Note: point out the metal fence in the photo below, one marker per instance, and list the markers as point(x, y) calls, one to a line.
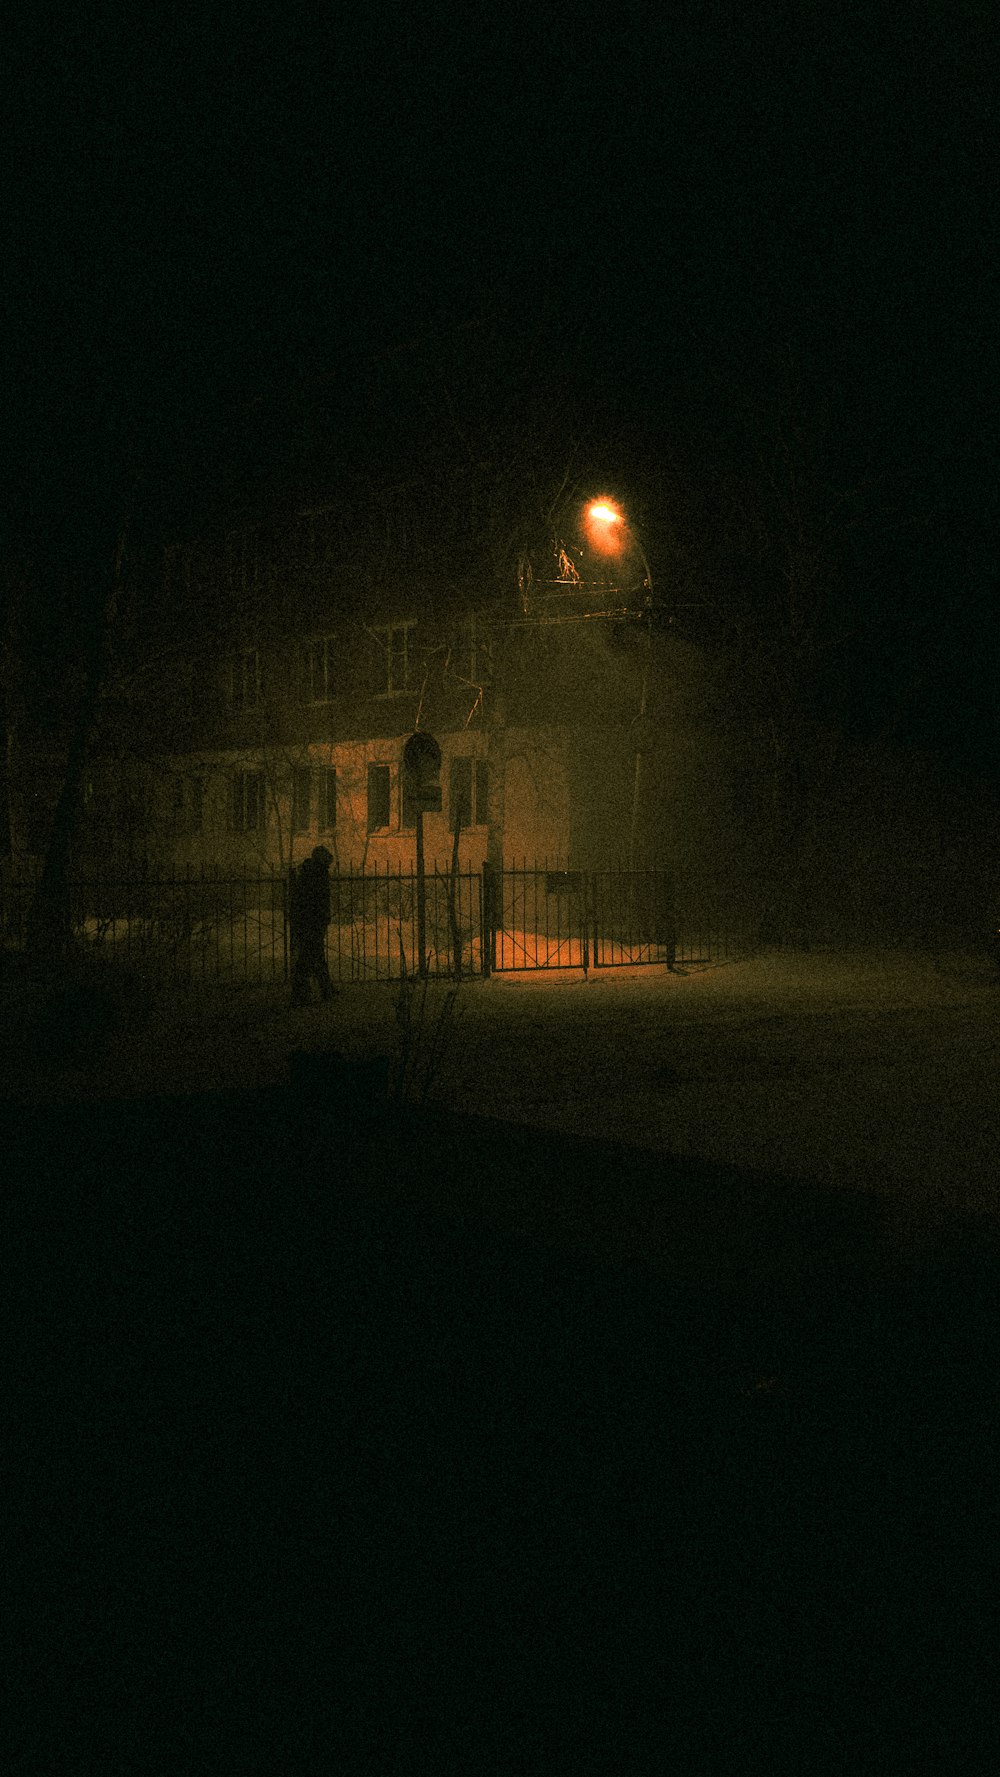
point(205, 926)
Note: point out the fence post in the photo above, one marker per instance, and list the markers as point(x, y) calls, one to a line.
point(670, 917)
point(487, 935)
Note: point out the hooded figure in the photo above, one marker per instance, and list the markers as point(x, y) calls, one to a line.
point(309, 916)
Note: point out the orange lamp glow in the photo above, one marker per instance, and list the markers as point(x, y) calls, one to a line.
point(604, 527)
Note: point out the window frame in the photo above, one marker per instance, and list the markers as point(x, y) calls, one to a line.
point(478, 791)
point(320, 536)
point(186, 793)
point(239, 801)
point(326, 811)
point(469, 650)
point(301, 799)
point(385, 632)
point(198, 786)
point(243, 562)
point(244, 687)
point(324, 645)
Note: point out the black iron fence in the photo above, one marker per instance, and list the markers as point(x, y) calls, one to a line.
point(207, 926)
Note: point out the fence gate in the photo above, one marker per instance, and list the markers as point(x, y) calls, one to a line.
point(634, 917)
point(540, 918)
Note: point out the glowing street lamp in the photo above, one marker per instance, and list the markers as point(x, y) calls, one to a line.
point(605, 527)
point(608, 534)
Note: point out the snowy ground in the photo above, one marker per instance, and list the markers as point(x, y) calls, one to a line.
point(729, 1515)
point(866, 1070)
point(861, 1070)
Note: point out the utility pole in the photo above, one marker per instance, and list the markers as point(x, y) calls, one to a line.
point(643, 740)
point(422, 764)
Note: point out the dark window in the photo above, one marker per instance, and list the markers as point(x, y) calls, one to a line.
point(246, 806)
point(242, 563)
point(197, 804)
point(398, 660)
point(328, 800)
point(378, 797)
point(301, 798)
point(244, 680)
point(321, 536)
point(177, 573)
point(181, 690)
point(176, 801)
point(397, 657)
point(319, 662)
point(468, 793)
point(468, 651)
point(186, 801)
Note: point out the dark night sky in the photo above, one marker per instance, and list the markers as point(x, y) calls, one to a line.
point(670, 202)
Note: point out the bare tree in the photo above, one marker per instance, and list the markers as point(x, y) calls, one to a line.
point(764, 545)
point(14, 702)
point(49, 921)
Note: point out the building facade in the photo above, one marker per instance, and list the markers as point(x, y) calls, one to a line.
point(273, 682)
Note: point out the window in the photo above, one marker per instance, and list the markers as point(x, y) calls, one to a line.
point(186, 804)
point(468, 653)
point(397, 643)
point(177, 573)
point(471, 658)
point(244, 681)
point(246, 806)
point(301, 798)
point(176, 805)
point(321, 536)
point(242, 570)
point(328, 800)
point(180, 690)
point(468, 793)
point(318, 669)
point(130, 815)
point(378, 798)
point(196, 805)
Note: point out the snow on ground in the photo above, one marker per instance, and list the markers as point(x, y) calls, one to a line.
point(866, 1070)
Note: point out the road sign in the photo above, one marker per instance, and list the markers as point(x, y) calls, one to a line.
point(422, 758)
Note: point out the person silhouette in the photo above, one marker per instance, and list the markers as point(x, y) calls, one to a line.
point(309, 916)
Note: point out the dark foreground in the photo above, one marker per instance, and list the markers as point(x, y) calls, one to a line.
point(346, 1445)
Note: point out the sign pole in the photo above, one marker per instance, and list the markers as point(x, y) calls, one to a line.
point(422, 766)
point(421, 898)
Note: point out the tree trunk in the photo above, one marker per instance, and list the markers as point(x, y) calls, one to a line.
point(456, 930)
point(49, 920)
point(13, 697)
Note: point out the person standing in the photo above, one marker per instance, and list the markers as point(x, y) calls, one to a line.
point(309, 916)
